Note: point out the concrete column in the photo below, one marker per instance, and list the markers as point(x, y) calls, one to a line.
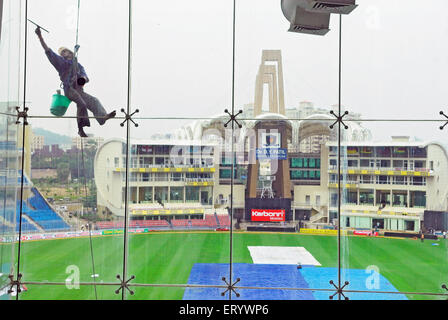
point(408, 199)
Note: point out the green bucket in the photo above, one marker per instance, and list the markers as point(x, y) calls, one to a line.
point(59, 105)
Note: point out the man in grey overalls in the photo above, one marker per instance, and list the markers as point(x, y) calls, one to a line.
point(73, 84)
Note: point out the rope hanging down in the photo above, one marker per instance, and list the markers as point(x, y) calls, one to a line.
point(73, 77)
point(74, 69)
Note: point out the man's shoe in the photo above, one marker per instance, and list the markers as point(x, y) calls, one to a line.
point(109, 116)
point(81, 133)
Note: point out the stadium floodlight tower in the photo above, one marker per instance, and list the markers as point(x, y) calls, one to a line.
point(313, 17)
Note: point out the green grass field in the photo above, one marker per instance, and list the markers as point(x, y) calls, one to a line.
point(167, 258)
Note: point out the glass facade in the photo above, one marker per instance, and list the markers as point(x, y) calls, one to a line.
point(337, 148)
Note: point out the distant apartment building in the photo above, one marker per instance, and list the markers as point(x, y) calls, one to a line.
point(87, 142)
point(37, 142)
point(49, 151)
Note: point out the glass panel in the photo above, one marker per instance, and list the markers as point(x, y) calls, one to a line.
point(188, 74)
point(176, 293)
point(71, 214)
point(9, 186)
point(71, 290)
point(180, 236)
point(70, 234)
point(383, 250)
point(399, 175)
point(285, 198)
point(11, 74)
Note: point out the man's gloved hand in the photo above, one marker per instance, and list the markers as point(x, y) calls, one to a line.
point(81, 81)
point(38, 32)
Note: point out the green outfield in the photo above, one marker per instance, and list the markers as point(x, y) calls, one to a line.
point(168, 257)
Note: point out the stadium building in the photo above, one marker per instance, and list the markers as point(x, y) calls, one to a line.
point(187, 179)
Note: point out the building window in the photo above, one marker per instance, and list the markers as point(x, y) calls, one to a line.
point(366, 197)
point(409, 225)
point(352, 197)
point(333, 199)
point(418, 181)
point(352, 163)
point(192, 194)
point(307, 199)
point(382, 179)
point(384, 163)
point(400, 199)
point(333, 163)
point(400, 180)
point(176, 194)
point(382, 198)
point(366, 179)
point(364, 163)
point(175, 176)
point(417, 199)
point(400, 152)
point(378, 223)
point(145, 194)
point(161, 194)
point(383, 152)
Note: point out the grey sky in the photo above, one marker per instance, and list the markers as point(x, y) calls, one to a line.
point(394, 60)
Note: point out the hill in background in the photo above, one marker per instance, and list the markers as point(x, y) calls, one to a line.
point(52, 138)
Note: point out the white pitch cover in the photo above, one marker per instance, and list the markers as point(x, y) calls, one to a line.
point(282, 255)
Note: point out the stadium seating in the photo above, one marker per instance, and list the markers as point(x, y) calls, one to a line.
point(8, 218)
point(27, 227)
point(110, 224)
point(132, 224)
point(224, 220)
point(200, 223)
point(149, 223)
point(216, 217)
point(211, 220)
point(40, 212)
point(180, 223)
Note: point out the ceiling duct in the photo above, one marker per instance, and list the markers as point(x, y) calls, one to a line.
point(309, 23)
point(313, 16)
point(330, 6)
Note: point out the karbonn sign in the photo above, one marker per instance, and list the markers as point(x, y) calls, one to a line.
point(268, 215)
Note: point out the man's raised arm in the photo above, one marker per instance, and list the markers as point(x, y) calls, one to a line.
point(42, 42)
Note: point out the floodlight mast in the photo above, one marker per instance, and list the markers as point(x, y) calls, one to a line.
point(313, 16)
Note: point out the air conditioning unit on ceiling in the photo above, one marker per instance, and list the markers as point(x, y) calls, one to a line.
point(330, 6)
point(310, 23)
point(313, 16)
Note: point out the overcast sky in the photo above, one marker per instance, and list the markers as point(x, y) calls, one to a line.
point(394, 60)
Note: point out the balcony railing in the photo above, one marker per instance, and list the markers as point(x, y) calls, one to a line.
point(170, 165)
point(376, 168)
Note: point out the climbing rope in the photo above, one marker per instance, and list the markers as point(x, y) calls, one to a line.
point(89, 227)
point(73, 76)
